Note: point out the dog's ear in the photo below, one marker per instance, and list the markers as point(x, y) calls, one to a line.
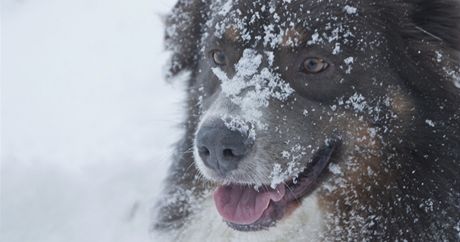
point(182, 37)
point(439, 18)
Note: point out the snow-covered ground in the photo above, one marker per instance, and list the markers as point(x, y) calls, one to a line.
point(87, 120)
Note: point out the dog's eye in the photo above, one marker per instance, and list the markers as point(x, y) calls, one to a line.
point(314, 65)
point(219, 57)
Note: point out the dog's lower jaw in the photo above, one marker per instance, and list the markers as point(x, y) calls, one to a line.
point(306, 222)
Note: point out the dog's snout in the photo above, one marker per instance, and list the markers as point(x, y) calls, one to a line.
point(221, 148)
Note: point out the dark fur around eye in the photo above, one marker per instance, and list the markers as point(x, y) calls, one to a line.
point(219, 57)
point(314, 65)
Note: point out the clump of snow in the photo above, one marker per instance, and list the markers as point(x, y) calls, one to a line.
point(427, 205)
point(305, 112)
point(457, 82)
point(335, 34)
point(372, 132)
point(294, 157)
point(250, 88)
point(439, 56)
point(241, 125)
point(271, 57)
point(453, 75)
point(336, 49)
point(277, 176)
point(271, 38)
point(370, 171)
point(430, 123)
point(226, 8)
point(315, 38)
point(457, 228)
point(335, 169)
point(350, 10)
point(357, 102)
point(349, 62)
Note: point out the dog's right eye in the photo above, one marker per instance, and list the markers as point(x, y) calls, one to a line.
point(314, 65)
point(219, 57)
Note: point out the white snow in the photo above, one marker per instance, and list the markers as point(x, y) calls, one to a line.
point(335, 169)
point(350, 10)
point(315, 39)
point(251, 89)
point(430, 123)
point(226, 8)
point(439, 56)
point(270, 57)
point(454, 75)
point(349, 62)
point(294, 156)
point(337, 49)
point(457, 228)
point(86, 119)
point(238, 124)
point(277, 176)
point(357, 102)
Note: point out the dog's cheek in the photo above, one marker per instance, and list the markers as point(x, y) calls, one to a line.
point(358, 178)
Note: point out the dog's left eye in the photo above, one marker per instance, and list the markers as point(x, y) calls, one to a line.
point(314, 65)
point(219, 57)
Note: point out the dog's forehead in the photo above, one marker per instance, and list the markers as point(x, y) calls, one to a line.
point(273, 22)
point(281, 12)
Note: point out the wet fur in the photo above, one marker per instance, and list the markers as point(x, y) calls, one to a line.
point(414, 190)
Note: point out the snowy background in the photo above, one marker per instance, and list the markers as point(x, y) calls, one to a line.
point(87, 120)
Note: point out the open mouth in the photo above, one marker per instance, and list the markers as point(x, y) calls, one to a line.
point(247, 209)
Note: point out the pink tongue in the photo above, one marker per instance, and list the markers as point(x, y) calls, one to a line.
point(242, 204)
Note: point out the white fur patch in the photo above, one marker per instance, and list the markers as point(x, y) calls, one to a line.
point(304, 224)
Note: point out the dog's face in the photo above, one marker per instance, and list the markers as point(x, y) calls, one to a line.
point(281, 91)
point(285, 89)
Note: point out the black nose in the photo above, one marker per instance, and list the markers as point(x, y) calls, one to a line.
point(220, 148)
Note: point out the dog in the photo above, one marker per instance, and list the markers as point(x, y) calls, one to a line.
point(320, 120)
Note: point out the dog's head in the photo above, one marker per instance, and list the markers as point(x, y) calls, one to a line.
point(286, 89)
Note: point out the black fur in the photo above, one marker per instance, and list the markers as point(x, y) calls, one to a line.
point(421, 202)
